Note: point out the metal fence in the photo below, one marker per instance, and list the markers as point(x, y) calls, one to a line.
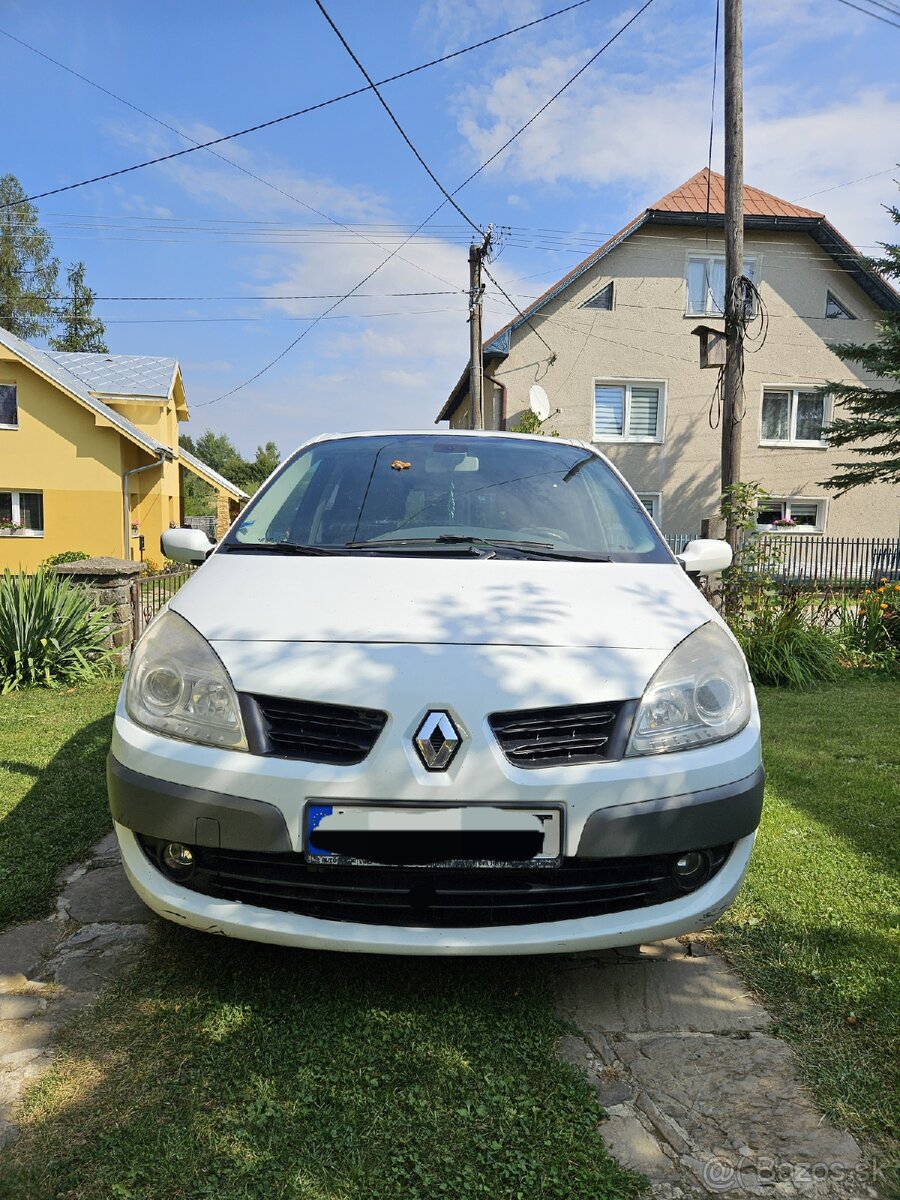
point(820, 563)
point(150, 593)
point(207, 524)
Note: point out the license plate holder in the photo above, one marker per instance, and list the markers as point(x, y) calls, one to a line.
point(373, 834)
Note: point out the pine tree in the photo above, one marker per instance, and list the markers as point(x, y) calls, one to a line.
point(871, 415)
point(81, 330)
point(28, 269)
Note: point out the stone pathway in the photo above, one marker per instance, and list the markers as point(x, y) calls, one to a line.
point(700, 1096)
point(51, 969)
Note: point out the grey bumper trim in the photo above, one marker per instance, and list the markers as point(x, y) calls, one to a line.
point(693, 821)
point(180, 813)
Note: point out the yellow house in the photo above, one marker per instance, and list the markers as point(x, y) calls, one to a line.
point(89, 454)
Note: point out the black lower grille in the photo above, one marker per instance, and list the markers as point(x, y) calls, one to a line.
point(441, 897)
point(546, 737)
point(327, 733)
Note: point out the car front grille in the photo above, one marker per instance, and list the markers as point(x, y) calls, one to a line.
point(436, 897)
point(325, 733)
point(547, 737)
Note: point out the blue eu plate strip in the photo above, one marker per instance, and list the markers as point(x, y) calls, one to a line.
point(314, 814)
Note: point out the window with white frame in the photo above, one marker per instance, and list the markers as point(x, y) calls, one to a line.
point(792, 514)
point(628, 412)
point(22, 513)
point(793, 416)
point(651, 501)
point(9, 408)
point(706, 283)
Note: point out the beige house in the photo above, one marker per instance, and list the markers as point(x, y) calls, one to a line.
point(625, 369)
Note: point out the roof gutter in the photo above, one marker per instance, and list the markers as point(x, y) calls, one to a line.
point(164, 456)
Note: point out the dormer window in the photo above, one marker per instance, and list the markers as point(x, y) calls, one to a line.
point(835, 309)
point(603, 299)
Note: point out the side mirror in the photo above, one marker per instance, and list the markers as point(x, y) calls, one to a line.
point(705, 556)
point(186, 545)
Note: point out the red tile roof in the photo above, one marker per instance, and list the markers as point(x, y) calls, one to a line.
point(691, 198)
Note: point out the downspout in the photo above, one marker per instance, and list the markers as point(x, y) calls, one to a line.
point(164, 456)
point(502, 387)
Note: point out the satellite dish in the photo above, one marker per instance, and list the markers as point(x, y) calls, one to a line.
point(539, 402)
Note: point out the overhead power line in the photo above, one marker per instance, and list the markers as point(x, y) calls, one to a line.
point(228, 137)
point(868, 12)
point(430, 217)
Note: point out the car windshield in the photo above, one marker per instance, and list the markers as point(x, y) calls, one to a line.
point(445, 493)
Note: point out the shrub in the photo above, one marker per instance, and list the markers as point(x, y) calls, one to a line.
point(65, 556)
point(149, 567)
point(51, 633)
point(782, 642)
point(870, 626)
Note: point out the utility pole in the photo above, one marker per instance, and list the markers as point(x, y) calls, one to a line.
point(732, 407)
point(477, 253)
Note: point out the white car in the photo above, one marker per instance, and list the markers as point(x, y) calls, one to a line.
point(439, 693)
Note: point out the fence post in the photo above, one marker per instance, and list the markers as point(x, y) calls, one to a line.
point(110, 579)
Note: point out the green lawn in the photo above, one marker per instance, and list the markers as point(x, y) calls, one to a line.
point(52, 789)
point(238, 1071)
point(815, 928)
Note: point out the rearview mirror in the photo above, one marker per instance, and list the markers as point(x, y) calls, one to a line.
point(186, 545)
point(705, 556)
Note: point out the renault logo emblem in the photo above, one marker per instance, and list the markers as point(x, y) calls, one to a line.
point(437, 741)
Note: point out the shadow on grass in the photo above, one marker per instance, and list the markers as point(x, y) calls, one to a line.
point(63, 813)
point(237, 1070)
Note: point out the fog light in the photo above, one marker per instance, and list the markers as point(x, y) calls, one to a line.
point(178, 858)
point(692, 869)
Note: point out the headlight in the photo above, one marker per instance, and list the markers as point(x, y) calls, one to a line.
point(178, 686)
point(700, 694)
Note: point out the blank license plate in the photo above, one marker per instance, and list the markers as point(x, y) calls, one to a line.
point(468, 835)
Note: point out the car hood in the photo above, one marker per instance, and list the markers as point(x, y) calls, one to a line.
point(441, 601)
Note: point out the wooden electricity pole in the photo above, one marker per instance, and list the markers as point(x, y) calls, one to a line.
point(732, 406)
point(477, 252)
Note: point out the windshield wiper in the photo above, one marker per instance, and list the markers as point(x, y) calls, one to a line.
point(279, 548)
point(526, 549)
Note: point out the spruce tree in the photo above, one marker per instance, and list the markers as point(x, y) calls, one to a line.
point(81, 330)
point(871, 415)
point(28, 269)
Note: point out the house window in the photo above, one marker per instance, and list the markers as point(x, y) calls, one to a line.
point(9, 409)
point(834, 308)
point(706, 283)
point(792, 416)
point(791, 514)
point(650, 501)
point(603, 299)
point(22, 513)
point(628, 412)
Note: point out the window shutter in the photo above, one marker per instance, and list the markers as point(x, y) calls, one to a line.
point(643, 418)
point(609, 405)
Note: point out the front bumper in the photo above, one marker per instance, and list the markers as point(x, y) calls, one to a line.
point(710, 817)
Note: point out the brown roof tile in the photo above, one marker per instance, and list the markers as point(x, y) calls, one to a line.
point(691, 198)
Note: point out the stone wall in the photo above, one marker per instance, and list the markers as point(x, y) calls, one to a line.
point(111, 580)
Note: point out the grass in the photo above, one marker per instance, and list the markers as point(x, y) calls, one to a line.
point(239, 1071)
point(815, 927)
point(52, 789)
point(242, 1071)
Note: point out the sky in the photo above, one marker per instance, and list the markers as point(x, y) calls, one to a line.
point(310, 206)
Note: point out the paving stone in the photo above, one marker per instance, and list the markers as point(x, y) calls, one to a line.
point(22, 950)
point(16, 1036)
point(733, 1095)
point(99, 936)
point(106, 846)
point(656, 996)
point(20, 1008)
point(629, 1143)
point(87, 971)
point(104, 895)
